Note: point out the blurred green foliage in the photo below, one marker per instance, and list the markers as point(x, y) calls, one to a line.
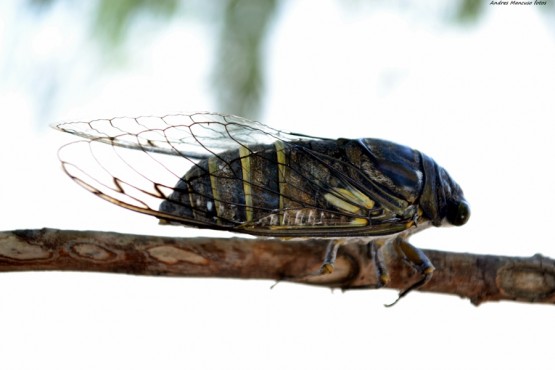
point(238, 72)
point(470, 10)
point(113, 18)
point(237, 76)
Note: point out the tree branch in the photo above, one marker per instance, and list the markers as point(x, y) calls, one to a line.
point(480, 278)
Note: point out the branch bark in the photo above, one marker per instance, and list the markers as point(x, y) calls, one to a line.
point(479, 278)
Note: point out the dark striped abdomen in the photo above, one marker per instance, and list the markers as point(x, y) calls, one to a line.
point(229, 189)
point(309, 182)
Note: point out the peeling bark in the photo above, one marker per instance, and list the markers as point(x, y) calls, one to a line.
point(480, 278)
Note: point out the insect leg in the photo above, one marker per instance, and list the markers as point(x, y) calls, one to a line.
point(329, 259)
point(381, 270)
point(419, 261)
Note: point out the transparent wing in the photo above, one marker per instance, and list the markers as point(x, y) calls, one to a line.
point(196, 135)
point(166, 148)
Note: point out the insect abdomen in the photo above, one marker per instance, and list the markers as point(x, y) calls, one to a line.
point(230, 188)
point(311, 183)
point(265, 185)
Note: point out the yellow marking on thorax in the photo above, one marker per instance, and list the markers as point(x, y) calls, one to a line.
point(358, 222)
point(244, 154)
point(213, 168)
point(280, 154)
point(344, 199)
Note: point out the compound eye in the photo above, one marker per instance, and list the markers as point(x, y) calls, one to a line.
point(458, 213)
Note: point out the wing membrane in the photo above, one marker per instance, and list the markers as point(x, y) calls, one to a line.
point(166, 148)
point(197, 135)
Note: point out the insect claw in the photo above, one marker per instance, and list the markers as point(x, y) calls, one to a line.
point(415, 219)
point(427, 275)
point(388, 305)
point(419, 261)
point(327, 268)
point(329, 259)
point(383, 279)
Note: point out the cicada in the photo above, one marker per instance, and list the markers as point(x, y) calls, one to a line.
point(224, 172)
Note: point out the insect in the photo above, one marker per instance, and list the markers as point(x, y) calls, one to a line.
point(218, 171)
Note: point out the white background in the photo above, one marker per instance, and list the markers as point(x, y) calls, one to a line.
point(479, 99)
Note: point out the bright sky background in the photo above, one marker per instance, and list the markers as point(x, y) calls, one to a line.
point(479, 99)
